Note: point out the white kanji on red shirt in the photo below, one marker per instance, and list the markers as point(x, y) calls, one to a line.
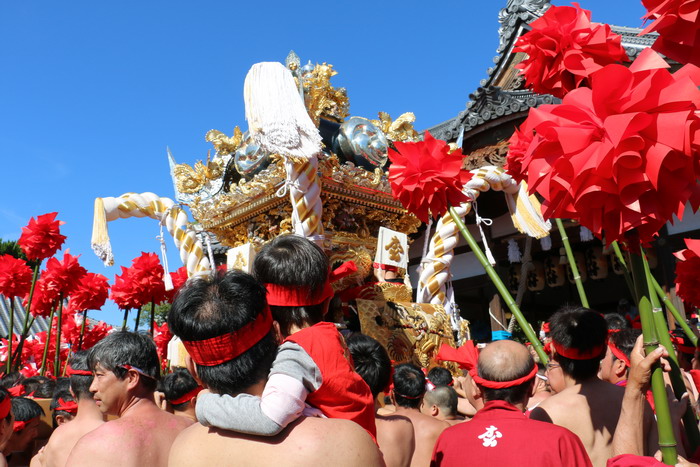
point(490, 436)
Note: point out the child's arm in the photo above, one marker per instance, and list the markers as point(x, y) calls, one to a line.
point(292, 377)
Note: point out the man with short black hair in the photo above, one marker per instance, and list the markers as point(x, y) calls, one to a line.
point(63, 407)
point(126, 370)
point(181, 392)
point(409, 387)
point(225, 325)
point(27, 413)
point(87, 417)
point(394, 432)
point(616, 363)
point(439, 376)
point(583, 403)
point(501, 377)
point(441, 403)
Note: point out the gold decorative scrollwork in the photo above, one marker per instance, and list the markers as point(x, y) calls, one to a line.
point(223, 144)
point(322, 98)
point(400, 129)
point(191, 179)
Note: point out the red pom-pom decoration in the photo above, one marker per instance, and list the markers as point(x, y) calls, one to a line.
point(15, 277)
point(426, 177)
point(619, 156)
point(564, 48)
point(42, 238)
point(688, 273)
point(678, 25)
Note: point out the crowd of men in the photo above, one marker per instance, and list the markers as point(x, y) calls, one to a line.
point(268, 382)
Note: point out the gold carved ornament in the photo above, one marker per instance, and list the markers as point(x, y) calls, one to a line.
point(400, 129)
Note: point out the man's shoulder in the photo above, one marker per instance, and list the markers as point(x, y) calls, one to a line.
point(395, 426)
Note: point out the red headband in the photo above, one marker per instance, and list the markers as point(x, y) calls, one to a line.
point(385, 267)
point(545, 328)
point(5, 407)
point(284, 295)
point(187, 397)
point(575, 354)
point(137, 370)
point(217, 350)
point(619, 354)
point(680, 345)
point(67, 406)
point(19, 426)
point(467, 357)
point(70, 371)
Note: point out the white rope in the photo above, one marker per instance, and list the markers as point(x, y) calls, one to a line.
point(167, 280)
point(288, 182)
point(496, 320)
point(484, 220)
point(426, 244)
point(210, 253)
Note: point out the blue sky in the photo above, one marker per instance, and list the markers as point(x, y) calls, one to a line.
point(91, 93)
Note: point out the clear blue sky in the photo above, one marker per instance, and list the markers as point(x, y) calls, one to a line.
point(91, 93)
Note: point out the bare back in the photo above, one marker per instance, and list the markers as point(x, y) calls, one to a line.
point(63, 439)
point(136, 439)
point(427, 430)
point(590, 410)
point(396, 439)
point(307, 441)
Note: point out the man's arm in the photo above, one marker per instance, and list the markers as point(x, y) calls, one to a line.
point(292, 377)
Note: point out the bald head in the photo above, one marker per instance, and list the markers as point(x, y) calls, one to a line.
point(506, 361)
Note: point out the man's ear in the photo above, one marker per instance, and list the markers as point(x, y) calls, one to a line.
point(476, 391)
point(619, 368)
point(132, 378)
point(60, 420)
point(533, 386)
point(192, 368)
point(278, 332)
point(434, 410)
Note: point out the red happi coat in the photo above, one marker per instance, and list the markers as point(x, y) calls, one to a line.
point(501, 435)
point(343, 393)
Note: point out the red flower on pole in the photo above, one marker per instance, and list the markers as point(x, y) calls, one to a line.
point(688, 273)
point(15, 277)
point(91, 293)
point(564, 48)
point(124, 292)
point(426, 177)
point(147, 275)
point(63, 276)
point(44, 299)
point(42, 238)
point(179, 279)
point(678, 25)
point(619, 156)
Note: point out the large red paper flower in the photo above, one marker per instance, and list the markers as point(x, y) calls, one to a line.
point(426, 177)
point(147, 276)
point(43, 300)
point(622, 155)
point(42, 237)
point(678, 25)
point(123, 292)
point(564, 48)
point(688, 273)
point(15, 277)
point(63, 276)
point(91, 293)
point(179, 279)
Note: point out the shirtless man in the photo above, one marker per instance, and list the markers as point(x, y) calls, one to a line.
point(225, 325)
point(441, 403)
point(88, 417)
point(180, 391)
point(126, 370)
point(583, 403)
point(541, 389)
point(409, 387)
point(394, 432)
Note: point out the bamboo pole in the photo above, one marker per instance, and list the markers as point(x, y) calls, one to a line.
point(82, 330)
point(626, 271)
point(126, 315)
point(674, 311)
point(136, 321)
point(153, 315)
point(690, 422)
point(667, 439)
point(572, 263)
point(57, 358)
point(502, 289)
point(46, 344)
point(8, 363)
point(27, 324)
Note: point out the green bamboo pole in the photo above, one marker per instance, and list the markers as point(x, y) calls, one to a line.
point(572, 263)
point(153, 315)
point(57, 358)
point(46, 344)
point(8, 363)
point(674, 311)
point(82, 330)
point(136, 322)
point(126, 315)
point(502, 289)
point(690, 422)
point(626, 271)
point(667, 439)
point(27, 325)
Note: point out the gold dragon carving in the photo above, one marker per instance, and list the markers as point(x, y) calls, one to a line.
point(400, 129)
point(322, 98)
